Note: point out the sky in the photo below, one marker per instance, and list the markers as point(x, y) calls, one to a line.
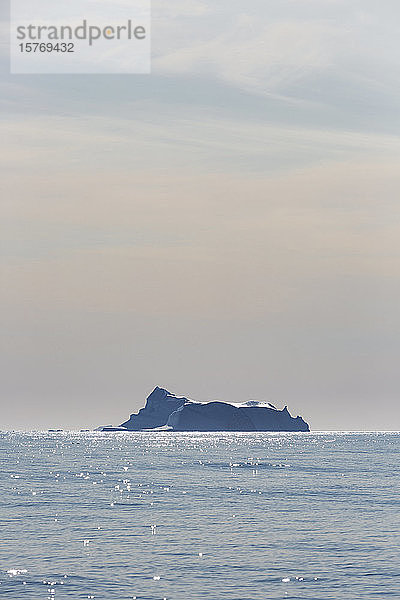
point(226, 227)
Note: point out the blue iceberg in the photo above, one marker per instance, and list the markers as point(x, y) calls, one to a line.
point(177, 413)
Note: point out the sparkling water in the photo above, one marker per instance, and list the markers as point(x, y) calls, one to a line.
point(153, 516)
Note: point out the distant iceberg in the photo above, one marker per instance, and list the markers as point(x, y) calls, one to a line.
point(178, 413)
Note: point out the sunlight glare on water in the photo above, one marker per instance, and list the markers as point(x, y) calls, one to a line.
point(246, 516)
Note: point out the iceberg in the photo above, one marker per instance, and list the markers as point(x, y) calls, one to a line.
point(178, 413)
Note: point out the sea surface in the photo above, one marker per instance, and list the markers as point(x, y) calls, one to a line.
point(220, 516)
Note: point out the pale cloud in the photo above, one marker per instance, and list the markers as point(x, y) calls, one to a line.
point(191, 9)
point(268, 244)
point(270, 47)
point(258, 56)
point(204, 142)
point(330, 62)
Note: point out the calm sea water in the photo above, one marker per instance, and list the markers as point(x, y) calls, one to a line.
point(202, 516)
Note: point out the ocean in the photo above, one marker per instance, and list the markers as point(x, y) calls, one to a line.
point(221, 516)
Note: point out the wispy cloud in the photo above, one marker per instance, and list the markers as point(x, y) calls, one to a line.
point(202, 142)
point(283, 47)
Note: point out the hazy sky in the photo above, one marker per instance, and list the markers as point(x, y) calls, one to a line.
point(227, 227)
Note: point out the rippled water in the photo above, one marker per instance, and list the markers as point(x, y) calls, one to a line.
point(201, 516)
